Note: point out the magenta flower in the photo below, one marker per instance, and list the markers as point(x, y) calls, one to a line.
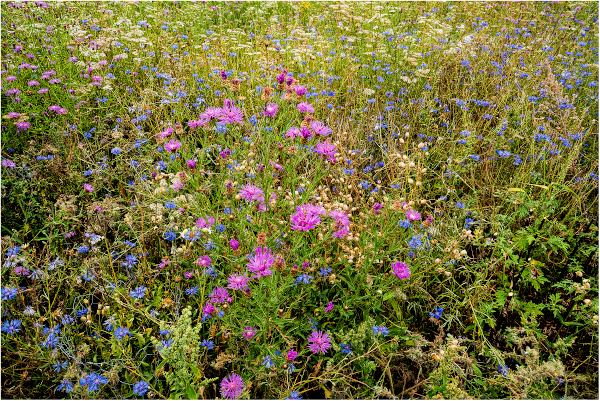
point(260, 262)
point(300, 90)
point(326, 149)
point(8, 163)
point(211, 112)
point(319, 342)
point(235, 244)
point(377, 207)
point(237, 282)
point(208, 308)
point(23, 126)
point(401, 270)
point(219, 295)
point(191, 164)
point(276, 166)
point(232, 386)
point(203, 261)
point(291, 355)
point(88, 187)
point(205, 223)
point(412, 215)
point(232, 115)
point(249, 332)
point(271, 110)
point(329, 307)
point(252, 193)
point(320, 128)
point(189, 274)
point(303, 222)
point(306, 133)
point(292, 133)
point(305, 108)
point(172, 145)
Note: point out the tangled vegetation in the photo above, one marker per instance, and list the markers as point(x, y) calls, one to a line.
point(299, 200)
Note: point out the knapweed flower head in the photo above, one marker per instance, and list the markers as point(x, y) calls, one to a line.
point(327, 149)
point(207, 222)
point(320, 128)
point(401, 270)
point(271, 110)
point(319, 342)
point(219, 295)
point(231, 114)
point(203, 261)
point(237, 282)
point(88, 187)
point(172, 145)
point(234, 244)
point(260, 262)
point(305, 108)
point(249, 332)
point(306, 217)
point(232, 386)
point(329, 307)
point(291, 355)
point(413, 215)
point(251, 193)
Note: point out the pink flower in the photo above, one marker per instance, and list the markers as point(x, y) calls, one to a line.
point(291, 355)
point(249, 332)
point(306, 217)
point(326, 149)
point(189, 274)
point(219, 295)
point(172, 145)
point(232, 386)
point(319, 342)
point(401, 270)
point(208, 308)
point(8, 163)
point(260, 262)
point(252, 193)
point(412, 215)
point(205, 223)
point(235, 244)
point(329, 307)
point(232, 115)
point(271, 110)
point(320, 128)
point(203, 261)
point(88, 187)
point(211, 112)
point(276, 166)
point(237, 282)
point(292, 133)
point(300, 90)
point(305, 108)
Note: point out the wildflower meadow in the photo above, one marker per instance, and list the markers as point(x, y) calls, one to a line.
point(299, 200)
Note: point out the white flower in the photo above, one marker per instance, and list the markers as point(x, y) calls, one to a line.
point(29, 311)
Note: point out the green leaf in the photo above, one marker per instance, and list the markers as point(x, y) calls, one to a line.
point(191, 394)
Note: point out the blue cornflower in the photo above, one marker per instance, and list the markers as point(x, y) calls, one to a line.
point(209, 344)
point(83, 249)
point(66, 385)
point(11, 327)
point(108, 323)
point(170, 236)
point(58, 366)
point(81, 312)
point(192, 291)
point(220, 228)
point(325, 271)
point(138, 292)
point(313, 323)
point(503, 369)
point(67, 319)
point(165, 344)
point(51, 341)
point(468, 222)
point(267, 362)
point(415, 242)
point(115, 151)
point(121, 332)
point(129, 243)
point(460, 205)
point(89, 276)
point(54, 330)
point(165, 332)
point(93, 380)
point(209, 245)
point(170, 205)
point(294, 395)
point(9, 293)
point(55, 263)
point(437, 312)
point(377, 330)
point(346, 348)
point(303, 278)
point(130, 261)
point(405, 223)
point(140, 388)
